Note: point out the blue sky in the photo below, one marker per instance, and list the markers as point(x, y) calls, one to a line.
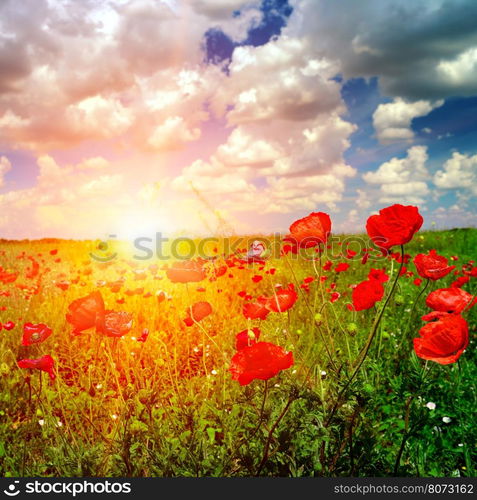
point(114, 115)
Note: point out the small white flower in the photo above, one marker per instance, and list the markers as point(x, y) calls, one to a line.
point(59, 424)
point(460, 445)
point(293, 372)
point(446, 420)
point(99, 386)
point(114, 416)
point(214, 372)
point(431, 405)
point(276, 385)
point(41, 422)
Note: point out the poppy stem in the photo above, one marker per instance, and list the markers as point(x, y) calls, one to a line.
point(266, 448)
point(297, 284)
point(365, 350)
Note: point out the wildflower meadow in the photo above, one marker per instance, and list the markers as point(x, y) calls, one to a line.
point(303, 354)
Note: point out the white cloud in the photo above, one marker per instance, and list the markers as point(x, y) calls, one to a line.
point(401, 170)
point(172, 134)
point(392, 121)
point(459, 171)
point(5, 166)
point(402, 179)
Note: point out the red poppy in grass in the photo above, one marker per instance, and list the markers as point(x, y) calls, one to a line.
point(117, 323)
point(395, 225)
point(197, 312)
point(335, 296)
point(309, 279)
point(34, 334)
point(6, 277)
point(86, 312)
point(434, 315)
point(256, 310)
point(283, 299)
point(45, 364)
point(366, 294)
point(34, 270)
point(327, 266)
point(246, 338)
point(472, 272)
point(342, 266)
point(9, 325)
point(417, 281)
point(189, 271)
point(452, 299)
point(378, 274)
point(460, 282)
point(257, 278)
point(262, 361)
point(444, 340)
point(311, 230)
point(432, 266)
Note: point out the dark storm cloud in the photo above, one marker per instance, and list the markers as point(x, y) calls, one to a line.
point(406, 44)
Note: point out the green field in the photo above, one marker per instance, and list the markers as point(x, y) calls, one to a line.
point(169, 406)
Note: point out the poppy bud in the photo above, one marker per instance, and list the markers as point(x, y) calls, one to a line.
point(352, 328)
point(318, 318)
point(399, 300)
point(251, 334)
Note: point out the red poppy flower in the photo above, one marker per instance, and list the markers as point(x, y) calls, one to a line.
point(256, 310)
point(6, 277)
point(197, 312)
point(417, 281)
point(335, 296)
point(189, 271)
point(246, 338)
point(117, 323)
point(434, 315)
point(452, 299)
point(432, 266)
point(34, 334)
point(342, 266)
point(327, 266)
point(259, 361)
point(366, 294)
point(87, 312)
point(45, 364)
point(311, 230)
point(444, 340)
point(257, 278)
point(378, 274)
point(283, 299)
point(144, 335)
point(395, 225)
point(9, 325)
point(460, 282)
point(472, 272)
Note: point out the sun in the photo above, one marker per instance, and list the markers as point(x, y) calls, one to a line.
point(141, 224)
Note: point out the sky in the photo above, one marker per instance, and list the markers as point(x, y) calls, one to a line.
point(198, 117)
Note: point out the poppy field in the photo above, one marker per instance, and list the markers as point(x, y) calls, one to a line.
point(306, 354)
